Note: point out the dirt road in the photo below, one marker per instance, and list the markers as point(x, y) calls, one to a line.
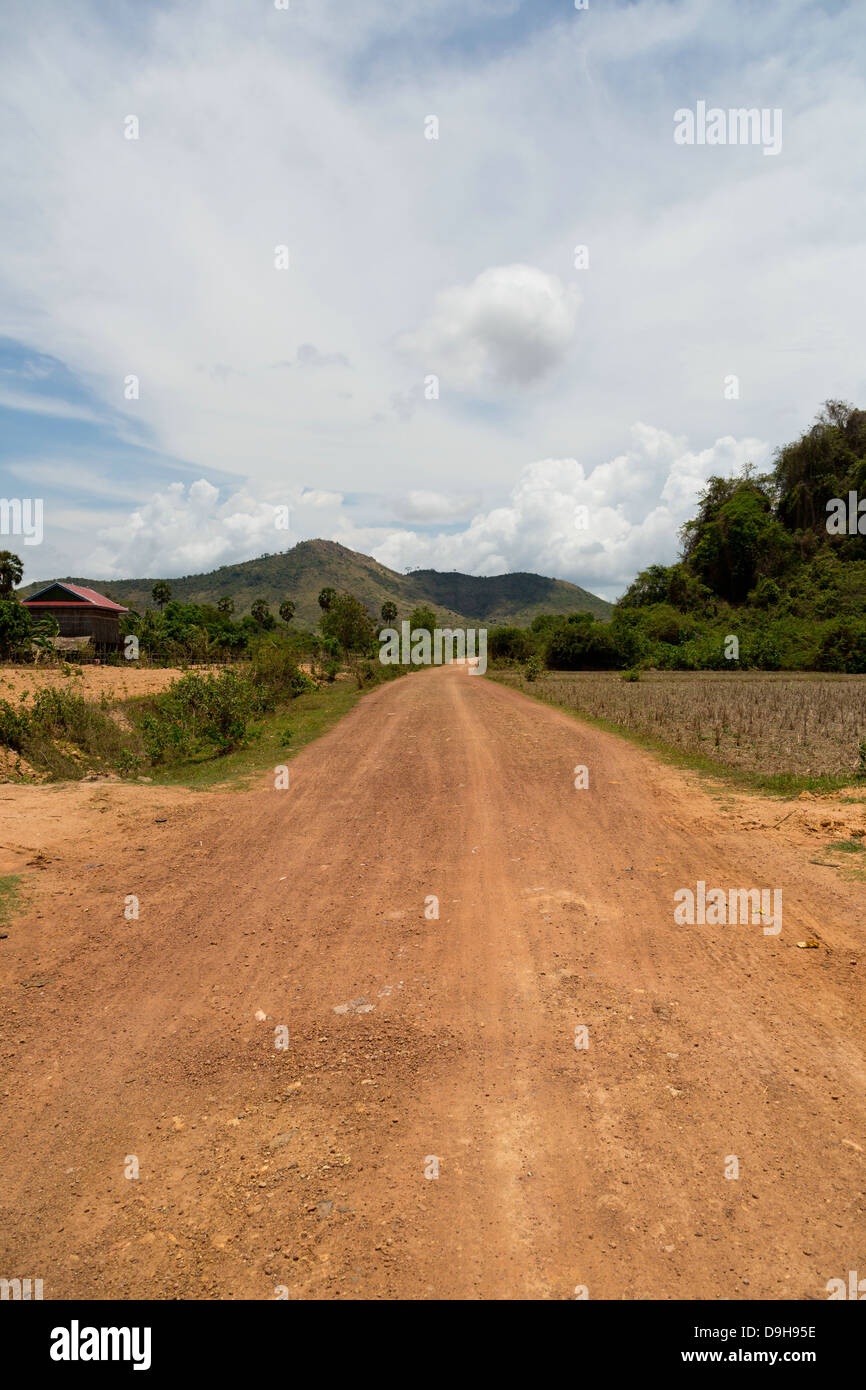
point(306, 1168)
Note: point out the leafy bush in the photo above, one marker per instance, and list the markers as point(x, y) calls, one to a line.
point(581, 645)
point(61, 732)
point(14, 627)
point(13, 726)
point(203, 713)
point(509, 644)
point(276, 673)
point(843, 647)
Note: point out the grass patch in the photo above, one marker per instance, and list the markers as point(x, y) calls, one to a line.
point(10, 898)
point(848, 846)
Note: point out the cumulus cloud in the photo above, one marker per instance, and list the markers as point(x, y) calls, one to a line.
point(595, 528)
point(511, 325)
point(189, 530)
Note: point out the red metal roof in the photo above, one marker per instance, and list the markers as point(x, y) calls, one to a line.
point(89, 598)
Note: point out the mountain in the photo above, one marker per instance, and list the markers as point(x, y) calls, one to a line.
point(302, 572)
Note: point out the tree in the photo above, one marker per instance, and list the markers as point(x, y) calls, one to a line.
point(226, 606)
point(259, 611)
point(388, 611)
point(829, 460)
point(14, 626)
point(735, 539)
point(327, 598)
point(423, 619)
point(11, 570)
point(509, 644)
point(348, 621)
point(287, 610)
point(651, 586)
point(581, 644)
point(161, 593)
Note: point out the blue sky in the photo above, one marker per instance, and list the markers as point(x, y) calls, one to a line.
point(558, 387)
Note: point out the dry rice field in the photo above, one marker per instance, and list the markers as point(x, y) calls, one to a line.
point(805, 725)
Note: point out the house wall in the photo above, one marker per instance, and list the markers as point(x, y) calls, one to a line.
point(83, 622)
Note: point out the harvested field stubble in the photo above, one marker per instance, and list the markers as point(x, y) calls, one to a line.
point(758, 722)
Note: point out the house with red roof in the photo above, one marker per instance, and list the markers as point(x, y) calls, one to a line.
point(79, 612)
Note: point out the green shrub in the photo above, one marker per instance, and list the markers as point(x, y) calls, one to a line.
point(580, 644)
point(509, 644)
point(203, 713)
point(843, 647)
point(62, 733)
point(13, 726)
point(276, 673)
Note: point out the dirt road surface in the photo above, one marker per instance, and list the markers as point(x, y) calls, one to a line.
point(413, 1038)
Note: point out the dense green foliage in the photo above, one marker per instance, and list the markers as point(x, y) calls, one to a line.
point(15, 628)
point(200, 632)
point(758, 564)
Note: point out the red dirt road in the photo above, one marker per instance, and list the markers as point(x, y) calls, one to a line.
point(304, 1169)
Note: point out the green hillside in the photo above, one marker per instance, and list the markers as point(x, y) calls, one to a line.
point(302, 572)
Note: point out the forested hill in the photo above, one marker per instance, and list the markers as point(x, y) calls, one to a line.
point(301, 573)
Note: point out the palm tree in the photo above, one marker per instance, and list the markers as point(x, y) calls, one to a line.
point(388, 611)
point(161, 593)
point(287, 610)
point(326, 598)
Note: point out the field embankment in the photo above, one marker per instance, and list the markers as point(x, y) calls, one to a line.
point(199, 726)
point(777, 731)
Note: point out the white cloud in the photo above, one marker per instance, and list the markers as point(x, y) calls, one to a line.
point(315, 497)
point(596, 529)
point(306, 128)
point(511, 325)
point(425, 506)
point(188, 531)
